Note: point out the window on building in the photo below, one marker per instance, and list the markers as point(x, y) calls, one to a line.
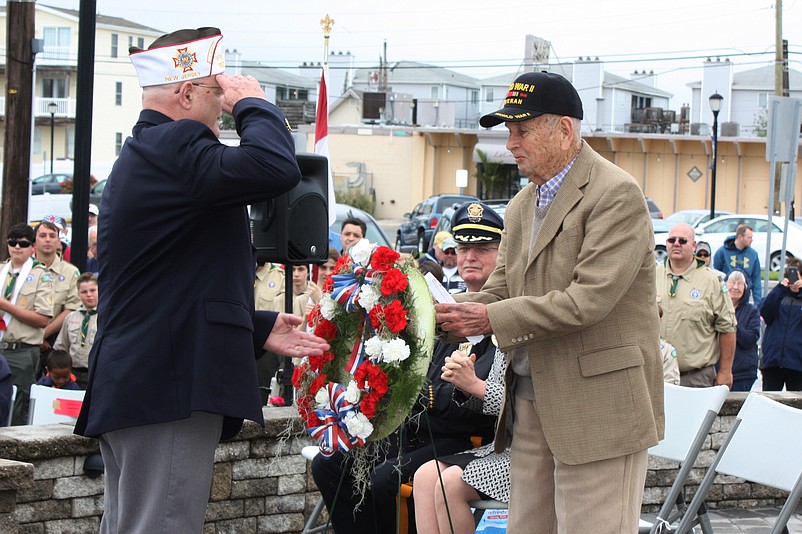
point(762, 100)
point(54, 87)
point(130, 41)
point(118, 143)
point(488, 95)
point(435, 92)
point(474, 97)
point(641, 102)
point(114, 38)
point(140, 42)
point(118, 93)
point(57, 42)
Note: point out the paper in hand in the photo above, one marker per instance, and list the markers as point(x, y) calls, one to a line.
point(441, 296)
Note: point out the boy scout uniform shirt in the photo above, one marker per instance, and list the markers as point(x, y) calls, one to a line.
point(36, 294)
point(692, 319)
point(69, 337)
point(268, 285)
point(65, 285)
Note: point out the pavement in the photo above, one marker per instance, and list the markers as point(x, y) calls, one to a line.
point(757, 521)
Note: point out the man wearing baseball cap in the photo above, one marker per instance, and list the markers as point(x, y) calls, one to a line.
point(173, 363)
point(571, 301)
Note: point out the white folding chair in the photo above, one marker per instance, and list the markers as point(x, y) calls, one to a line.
point(52, 405)
point(690, 413)
point(480, 506)
point(11, 405)
point(763, 446)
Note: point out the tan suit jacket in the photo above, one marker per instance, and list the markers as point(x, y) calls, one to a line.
point(584, 307)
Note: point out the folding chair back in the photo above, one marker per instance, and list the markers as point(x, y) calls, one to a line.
point(766, 448)
point(689, 413)
point(763, 447)
point(53, 405)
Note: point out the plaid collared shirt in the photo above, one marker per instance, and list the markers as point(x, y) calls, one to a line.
point(547, 191)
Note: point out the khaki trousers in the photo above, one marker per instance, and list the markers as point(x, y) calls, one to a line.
point(550, 497)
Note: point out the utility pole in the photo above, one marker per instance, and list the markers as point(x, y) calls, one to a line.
point(778, 87)
point(19, 110)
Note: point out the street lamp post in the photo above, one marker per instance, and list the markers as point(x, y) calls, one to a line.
point(715, 107)
point(52, 107)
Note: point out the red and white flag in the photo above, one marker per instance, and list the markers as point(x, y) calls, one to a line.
point(322, 137)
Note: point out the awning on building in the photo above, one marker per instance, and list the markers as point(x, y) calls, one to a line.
point(496, 152)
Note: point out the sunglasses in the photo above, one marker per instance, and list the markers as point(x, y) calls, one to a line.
point(450, 252)
point(672, 240)
point(702, 255)
point(24, 243)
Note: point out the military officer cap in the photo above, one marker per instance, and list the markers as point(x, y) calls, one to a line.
point(476, 222)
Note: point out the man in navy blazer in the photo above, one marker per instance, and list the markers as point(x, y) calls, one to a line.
point(172, 370)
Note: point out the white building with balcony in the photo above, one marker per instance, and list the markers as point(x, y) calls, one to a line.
point(117, 95)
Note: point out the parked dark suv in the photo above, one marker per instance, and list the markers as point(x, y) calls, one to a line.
point(418, 229)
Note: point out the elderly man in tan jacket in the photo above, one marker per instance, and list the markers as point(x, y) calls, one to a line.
point(572, 302)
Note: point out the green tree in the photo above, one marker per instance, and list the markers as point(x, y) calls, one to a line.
point(226, 121)
point(488, 173)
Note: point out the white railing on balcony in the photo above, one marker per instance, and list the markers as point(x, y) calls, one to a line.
point(65, 107)
point(58, 55)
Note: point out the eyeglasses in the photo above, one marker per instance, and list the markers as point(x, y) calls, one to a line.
point(701, 254)
point(477, 249)
point(216, 89)
point(450, 252)
point(672, 240)
point(23, 243)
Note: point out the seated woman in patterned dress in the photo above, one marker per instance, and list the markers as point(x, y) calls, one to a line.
point(475, 474)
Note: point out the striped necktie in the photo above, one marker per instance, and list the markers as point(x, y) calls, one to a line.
point(12, 279)
point(85, 324)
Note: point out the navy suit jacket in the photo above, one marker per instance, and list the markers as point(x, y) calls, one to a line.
point(178, 332)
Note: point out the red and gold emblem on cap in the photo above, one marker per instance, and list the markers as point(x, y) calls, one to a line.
point(185, 59)
point(475, 212)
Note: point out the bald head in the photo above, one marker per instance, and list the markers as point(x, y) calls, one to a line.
point(680, 244)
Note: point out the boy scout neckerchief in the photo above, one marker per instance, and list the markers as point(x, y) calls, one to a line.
point(23, 274)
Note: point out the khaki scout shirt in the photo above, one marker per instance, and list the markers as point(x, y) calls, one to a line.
point(65, 285)
point(35, 294)
point(69, 337)
point(692, 319)
point(268, 286)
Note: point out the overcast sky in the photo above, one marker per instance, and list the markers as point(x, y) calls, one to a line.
point(672, 38)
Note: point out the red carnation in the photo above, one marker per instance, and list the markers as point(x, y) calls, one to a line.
point(317, 383)
point(326, 329)
point(378, 380)
point(343, 264)
point(314, 314)
point(394, 281)
point(328, 284)
point(395, 316)
point(383, 258)
point(368, 405)
point(375, 314)
point(298, 375)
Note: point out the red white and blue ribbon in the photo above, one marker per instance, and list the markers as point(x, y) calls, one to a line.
point(332, 434)
point(346, 287)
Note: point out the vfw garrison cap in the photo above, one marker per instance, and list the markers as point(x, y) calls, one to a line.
point(179, 56)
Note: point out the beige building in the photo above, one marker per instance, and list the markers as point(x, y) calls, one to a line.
point(117, 95)
point(403, 165)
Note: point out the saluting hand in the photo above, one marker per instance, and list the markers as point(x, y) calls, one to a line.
point(235, 88)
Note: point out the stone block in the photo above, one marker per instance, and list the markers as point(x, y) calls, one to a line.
point(15, 475)
point(8, 525)
point(54, 468)
point(73, 526)
point(268, 467)
point(290, 484)
point(256, 487)
point(216, 511)
point(235, 526)
point(80, 486)
point(285, 503)
point(87, 506)
point(232, 450)
point(280, 523)
point(8, 502)
point(254, 507)
point(39, 491)
point(32, 528)
point(221, 482)
point(43, 511)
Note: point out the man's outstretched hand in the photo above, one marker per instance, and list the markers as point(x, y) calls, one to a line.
point(286, 339)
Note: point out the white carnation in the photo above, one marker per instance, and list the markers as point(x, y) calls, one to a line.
point(358, 425)
point(322, 398)
point(368, 296)
point(328, 307)
point(373, 346)
point(361, 251)
point(352, 393)
point(395, 351)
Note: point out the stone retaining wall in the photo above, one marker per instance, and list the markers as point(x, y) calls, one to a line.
point(44, 489)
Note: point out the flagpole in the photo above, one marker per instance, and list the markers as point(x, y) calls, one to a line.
point(326, 24)
point(322, 117)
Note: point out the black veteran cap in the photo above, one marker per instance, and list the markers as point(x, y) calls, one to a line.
point(475, 222)
point(534, 93)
